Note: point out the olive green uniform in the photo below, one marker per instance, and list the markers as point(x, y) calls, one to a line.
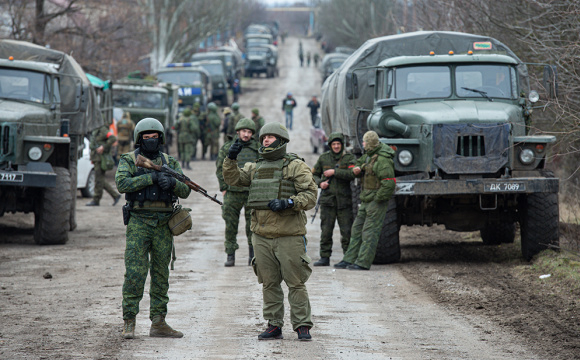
point(233, 121)
point(212, 128)
point(188, 132)
point(336, 200)
point(259, 122)
point(279, 237)
point(202, 118)
point(101, 137)
point(236, 197)
point(149, 240)
point(378, 185)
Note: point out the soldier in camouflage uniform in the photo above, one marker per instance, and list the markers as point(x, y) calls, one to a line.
point(212, 128)
point(150, 196)
point(187, 133)
point(281, 189)
point(258, 121)
point(377, 169)
point(333, 173)
point(102, 139)
point(235, 197)
point(201, 117)
point(125, 128)
point(233, 120)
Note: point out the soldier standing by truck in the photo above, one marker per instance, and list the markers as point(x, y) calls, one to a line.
point(101, 142)
point(236, 197)
point(281, 189)
point(186, 129)
point(150, 196)
point(125, 128)
point(377, 169)
point(333, 174)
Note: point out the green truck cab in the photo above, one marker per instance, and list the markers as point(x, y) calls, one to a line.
point(458, 119)
point(194, 83)
point(46, 107)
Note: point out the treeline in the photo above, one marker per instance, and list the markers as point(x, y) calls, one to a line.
point(539, 31)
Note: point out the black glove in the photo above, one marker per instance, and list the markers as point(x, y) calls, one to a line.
point(235, 149)
point(155, 177)
point(166, 182)
point(279, 205)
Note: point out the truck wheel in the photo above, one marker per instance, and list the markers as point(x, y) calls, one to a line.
point(89, 190)
point(52, 211)
point(388, 247)
point(539, 223)
point(498, 233)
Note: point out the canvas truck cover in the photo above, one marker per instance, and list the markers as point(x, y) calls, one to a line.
point(80, 122)
point(338, 111)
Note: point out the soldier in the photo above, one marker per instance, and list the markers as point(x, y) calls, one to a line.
point(316, 57)
point(102, 139)
point(236, 197)
point(258, 122)
point(125, 128)
point(187, 134)
point(150, 196)
point(202, 118)
point(281, 189)
point(378, 184)
point(225, 123)
point(314, 105)
point(333, 173)
point(212, 130)
point(308, 58)
point(234, 118)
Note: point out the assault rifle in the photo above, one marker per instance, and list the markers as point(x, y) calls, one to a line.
point(143, 162)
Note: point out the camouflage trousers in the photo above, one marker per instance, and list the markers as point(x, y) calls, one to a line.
point(278, 259)
point(213, 141)
point(101, 183)
point(234, 201)
point(328, 217)
point(365, 233)
point(123, 148)
point(148, 249)
point(186, 151)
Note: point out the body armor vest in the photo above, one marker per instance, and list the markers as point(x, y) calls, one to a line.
point(124, 130)
point(370, 181)
point(247, 155)
point(152, 196)
point(268, 184)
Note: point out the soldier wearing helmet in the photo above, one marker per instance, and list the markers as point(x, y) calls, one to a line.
point(258, 121)
point(236, 197)
point(333, 174)
point(150, 197)
point(234, 118)
point(281, 189)
point(187, 134)
point(102, 139)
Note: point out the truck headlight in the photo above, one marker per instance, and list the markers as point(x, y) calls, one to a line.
point(34, 153)
point(527, 156)
point(405, 157)
point(534, 96)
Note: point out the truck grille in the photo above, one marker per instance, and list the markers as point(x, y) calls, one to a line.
point(4, 140)
point(471, 145)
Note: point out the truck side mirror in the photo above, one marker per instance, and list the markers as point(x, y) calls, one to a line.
point(550, 81)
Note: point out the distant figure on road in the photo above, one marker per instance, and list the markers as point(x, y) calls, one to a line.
point(314, 105)
point(308, 57)
point(316, 58)
point(236, 89)
point(288, 105)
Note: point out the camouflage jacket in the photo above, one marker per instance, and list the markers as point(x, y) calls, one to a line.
point(101, 137)
point(338, 192)
point(377, 167)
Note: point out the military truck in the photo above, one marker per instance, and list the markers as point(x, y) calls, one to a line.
point(194, 84)
point(231, 59)
point(261, 59)
point(331, 62)
point(47, 106)
point(219, 82)
point(257, 39)
point(456, 108)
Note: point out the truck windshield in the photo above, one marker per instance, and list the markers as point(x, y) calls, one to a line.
point(213, 69)
point(138, 99)
point(257, 41)
point(182, 78)
point(24, 85)
point(497, 81)
point(256, 52)
point(419, 82)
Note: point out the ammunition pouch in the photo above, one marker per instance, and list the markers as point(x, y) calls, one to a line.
point(180, 220)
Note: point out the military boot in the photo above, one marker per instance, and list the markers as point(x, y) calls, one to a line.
point(129, 329)
point(93, 203)
point(231, 260)
point(324, 261)
point(159, 328)
point(251, 256)
point(187, 166)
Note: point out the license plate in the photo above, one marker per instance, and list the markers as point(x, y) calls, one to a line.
point(10, 177)
point(505, 187)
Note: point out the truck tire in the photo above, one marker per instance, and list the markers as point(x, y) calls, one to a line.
point(89, 190)
point(498, 233)
point(539, 217)
point(52, 211)
point(388, 247)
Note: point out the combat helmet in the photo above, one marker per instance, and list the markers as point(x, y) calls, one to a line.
point(235, 106)
point(246, 123)
point(275, 129)
point(212, 106)
point(148, 125)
